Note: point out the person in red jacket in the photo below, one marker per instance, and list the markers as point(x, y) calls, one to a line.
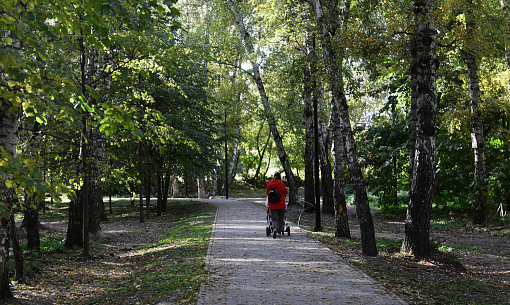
point(277, 209)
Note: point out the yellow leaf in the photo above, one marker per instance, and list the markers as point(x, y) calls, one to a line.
point(9, 183)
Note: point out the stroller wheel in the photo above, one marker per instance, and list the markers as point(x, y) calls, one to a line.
point(288, 231)
point(268, 231)
point(274, 233)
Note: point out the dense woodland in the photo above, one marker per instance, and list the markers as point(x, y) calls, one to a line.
point(405, 101)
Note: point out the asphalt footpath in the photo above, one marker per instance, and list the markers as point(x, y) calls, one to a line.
point(247, 267)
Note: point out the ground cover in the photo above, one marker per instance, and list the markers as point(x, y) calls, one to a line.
point(471, 264)
point(161, 259)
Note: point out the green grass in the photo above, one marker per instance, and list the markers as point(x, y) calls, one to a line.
point(447, 222)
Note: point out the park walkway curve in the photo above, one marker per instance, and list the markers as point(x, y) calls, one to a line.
point(247, 267)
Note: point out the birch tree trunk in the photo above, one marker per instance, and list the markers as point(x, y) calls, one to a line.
point(235, 152)
point(261, 153)
point(175, 188)
point(423, 69)
point(308, 119)
point(341, 216)
point(309, 150)
point(477, 137)
point(326, 177)
point(159, 187)
point(166, 188)
point(334, 66)
point(8, 141)
point(201, 186)
point(506, 125)
point(214, 181)
point(250, 50)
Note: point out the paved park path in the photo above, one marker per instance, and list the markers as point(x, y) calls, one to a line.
point(247, 267)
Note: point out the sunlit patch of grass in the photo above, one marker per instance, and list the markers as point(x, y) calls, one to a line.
point(454, 250)
point(447, 222)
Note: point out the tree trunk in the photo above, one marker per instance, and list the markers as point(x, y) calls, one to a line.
point(477, 137)
point(148, 194)
point(505, 6)
point(341, 217)
point(8, 140)
point(261, 153)
point(31, 219)
point(5, 196)
point(235, 153)
point(16, 249)
point(326, 177)
point(214, 181)
point(308, 91)
point(309, 151)
point(423, 69)
point(78, 226)
point(142, 180)
point(132, 190)
point(96, 205)
point(31, 211)
point(159, 186)
point(334, 66)
point(166, 188)
point(175, 188)
point(250, 50)
point(74, 237)
point(201, 187)
point(412, 124)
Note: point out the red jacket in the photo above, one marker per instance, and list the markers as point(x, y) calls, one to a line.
point(282, 191)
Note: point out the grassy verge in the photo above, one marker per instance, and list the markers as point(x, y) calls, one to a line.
point(131, 263)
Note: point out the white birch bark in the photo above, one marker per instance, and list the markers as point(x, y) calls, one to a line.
point(424, 107)
point(477, 136)
point(8, 141)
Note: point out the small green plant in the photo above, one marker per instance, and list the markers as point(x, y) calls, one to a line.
point(501, 234)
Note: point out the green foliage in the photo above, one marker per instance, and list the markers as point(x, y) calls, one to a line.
point(25, 178)
point(398, 209)
point(383, 151)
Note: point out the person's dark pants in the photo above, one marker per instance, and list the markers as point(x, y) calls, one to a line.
point(278, 219)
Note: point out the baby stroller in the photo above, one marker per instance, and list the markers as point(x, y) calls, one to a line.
point(270, 229)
